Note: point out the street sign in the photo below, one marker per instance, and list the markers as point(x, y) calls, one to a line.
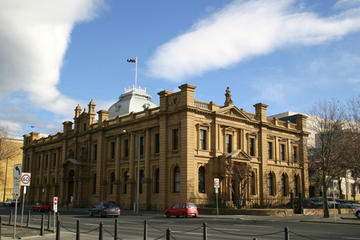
point(25, 179)
point(17, 174)
point(216, 183)
point(55, 204)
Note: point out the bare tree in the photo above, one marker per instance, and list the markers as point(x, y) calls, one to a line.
point(8, 150)
point(353, 134)
point(327, 154)
point(239, 173)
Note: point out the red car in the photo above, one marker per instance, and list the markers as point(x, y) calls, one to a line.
point(185, 209)
point(42, 207)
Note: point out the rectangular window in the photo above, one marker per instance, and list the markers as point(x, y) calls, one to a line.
point(94, 183)
point(175, 142)
point(252, 147)
point(46, 161)
point(228, 143)
point(141, 181)
point(294, 153)
point(270, 150)
point(54, 160)
point(141, 139)
point(112, 150)
point(157, 142)
point(282, 152)
point(202, 139)
point(126, 147)
point(95, 151)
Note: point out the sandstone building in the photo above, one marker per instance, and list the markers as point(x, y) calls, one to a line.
point(182, 145)
point(10, 167)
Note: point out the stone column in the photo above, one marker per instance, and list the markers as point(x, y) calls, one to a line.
point(147, 169)
point(117, 190)
point(132, 170)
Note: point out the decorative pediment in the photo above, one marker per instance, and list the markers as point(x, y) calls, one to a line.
point(232, 111)
point(239, 154)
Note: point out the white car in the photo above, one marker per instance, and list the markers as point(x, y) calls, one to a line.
point(357, 213)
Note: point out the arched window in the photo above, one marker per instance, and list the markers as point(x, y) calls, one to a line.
point(94, 184)
point(156, 180)
point(141, 181)
point(112, 181)
point(284, 188)
point(270, 183)
point(296, 185)
point(126, 179)
point(201, 180)
point(176, 180)
point(252, 183)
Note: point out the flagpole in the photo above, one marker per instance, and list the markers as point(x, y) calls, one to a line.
point(136, 69)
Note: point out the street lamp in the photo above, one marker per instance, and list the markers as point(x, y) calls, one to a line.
point(138, 170)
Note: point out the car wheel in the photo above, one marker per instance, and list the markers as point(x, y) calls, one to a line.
point(168, 215)
point(358, 214)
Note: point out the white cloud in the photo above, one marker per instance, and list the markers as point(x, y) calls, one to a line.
point(346, 3)
point(34, 36)
point(245, 29)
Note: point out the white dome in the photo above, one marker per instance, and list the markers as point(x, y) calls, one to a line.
point(133, 100)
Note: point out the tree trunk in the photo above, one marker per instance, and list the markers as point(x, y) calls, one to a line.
point(325, 202)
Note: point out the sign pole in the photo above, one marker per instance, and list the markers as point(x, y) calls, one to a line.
point(55, 209)
point(217, 186)
point(16, 201)
point(22, 207)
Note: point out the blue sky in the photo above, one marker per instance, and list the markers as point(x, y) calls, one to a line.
point(288, 54)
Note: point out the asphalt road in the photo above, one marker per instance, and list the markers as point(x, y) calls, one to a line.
point(132, 227)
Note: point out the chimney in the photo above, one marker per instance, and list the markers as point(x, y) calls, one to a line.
point(260, 112)
point(301, 122)
point(103, 115)
point(188, 92)
point(67, 127)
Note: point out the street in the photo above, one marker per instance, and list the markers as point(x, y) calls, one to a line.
point(222, 227)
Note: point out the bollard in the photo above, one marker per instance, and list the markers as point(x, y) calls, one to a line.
point(10, 216)
point(168, 234)
point(0, 227)
point(101, 231)
point(287, 236)
point(42, 225)
point(292, 201)
point(57, 228)
point(301, 204)
point(204, 231)
point(48, 220)
point(145, 229)
point(78, 229)
point(115, 230)
point(28, 220)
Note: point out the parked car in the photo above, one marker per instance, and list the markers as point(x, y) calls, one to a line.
point(11, 202)
point(104, 209)
point(309, 203)
point(42, 207)
point(185, 209)
point(348, 203)
point(357, 213)
point(319, 202)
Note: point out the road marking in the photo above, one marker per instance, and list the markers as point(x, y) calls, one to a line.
point(248, 225)
point(90, 224)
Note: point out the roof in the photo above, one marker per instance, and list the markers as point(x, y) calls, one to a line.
point(133, 100)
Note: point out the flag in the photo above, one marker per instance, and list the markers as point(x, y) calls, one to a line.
point(132, 60)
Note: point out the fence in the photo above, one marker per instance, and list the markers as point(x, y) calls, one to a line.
point(204, 229)
point(285, 202)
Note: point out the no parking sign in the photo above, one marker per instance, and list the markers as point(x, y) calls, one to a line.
point(25, 179)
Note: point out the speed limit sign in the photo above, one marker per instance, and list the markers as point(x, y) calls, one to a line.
point(25, 179)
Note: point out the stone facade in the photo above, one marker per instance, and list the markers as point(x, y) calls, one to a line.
point(181, 145)
point(7, 166)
